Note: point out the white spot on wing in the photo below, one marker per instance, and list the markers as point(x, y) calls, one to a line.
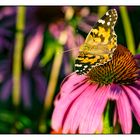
point(108, 23)
point(85, 66)
point(78, 65)
point(101, 21)
point(77, 70)
point(107, 13)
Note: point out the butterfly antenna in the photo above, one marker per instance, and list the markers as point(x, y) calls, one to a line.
point(75, 48)
point(69, 50)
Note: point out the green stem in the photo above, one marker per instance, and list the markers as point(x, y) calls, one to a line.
point(19, 40)
point(53, 78)
point(51, 87)
point(127, 29)
point(102, 10)
point(107, 129)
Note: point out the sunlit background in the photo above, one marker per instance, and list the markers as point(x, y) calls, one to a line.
point(38, 46)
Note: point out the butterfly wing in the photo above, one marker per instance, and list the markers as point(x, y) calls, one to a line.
point(85, 62)
point(99, 45)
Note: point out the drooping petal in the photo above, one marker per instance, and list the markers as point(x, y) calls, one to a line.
point(100, 127)
point(33, 48)
point(56, 29)
point(5, 33)
point(71, 82)
point(6, 90)
point(134, 101)
point(7, 11)
point(40, 80)
point(85, 110)
point(115, 117)
point(92, 115)
point(63, 104)
point(124, 113)
point(3, 70)
point(25, 90)
point(5, 43)
point(77, 110)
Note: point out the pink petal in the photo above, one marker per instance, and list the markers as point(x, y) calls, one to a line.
point(124, 112)
point(100, 100)
point(100, 127)
point(6, 89)
point(6, 11)
point(25, 90)
point(33, 48)
point(56, 28)
point(135, 102)
point(92, 115)
point(114, 92)
point(64, 103)
point(115, 118)
point(71, 82)
point(77, 110)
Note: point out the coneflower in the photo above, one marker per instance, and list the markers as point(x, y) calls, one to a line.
point(80, 105)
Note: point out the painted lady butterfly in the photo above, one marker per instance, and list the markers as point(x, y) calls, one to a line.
point(99, 45)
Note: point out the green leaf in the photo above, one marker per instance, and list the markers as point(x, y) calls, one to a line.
point(11, 122)
point(50, 46)
point(6, 116)
point(127, 29)
point(49, 52)
point(25, 121)
point(107, 129)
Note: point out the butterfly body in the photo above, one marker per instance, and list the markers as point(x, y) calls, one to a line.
point(99, 45)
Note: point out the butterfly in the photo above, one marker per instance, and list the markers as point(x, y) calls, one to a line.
point(99, 44)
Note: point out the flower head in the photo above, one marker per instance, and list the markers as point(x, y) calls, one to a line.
point(80, 105)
